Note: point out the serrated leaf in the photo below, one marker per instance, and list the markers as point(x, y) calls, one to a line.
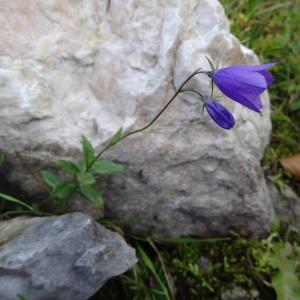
point(90, 192)
point(14, 200)
point(69, 167)
point(117, 136)
point(50, 179)
point(106, 167)
point(86, 179)
point(88, 152)
point(64, 190)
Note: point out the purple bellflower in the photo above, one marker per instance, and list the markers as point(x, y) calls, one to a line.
point(219, 114)
point(244, 84)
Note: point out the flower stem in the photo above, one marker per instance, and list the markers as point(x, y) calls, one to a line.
point(177, 92)
point(192, 91)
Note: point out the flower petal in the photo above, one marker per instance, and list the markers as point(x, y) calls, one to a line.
point(242, 86)
point(256, 68)
point(268, 76)
point(236, 96)
point(219, 114)
point(248, 84)
point(257, 102)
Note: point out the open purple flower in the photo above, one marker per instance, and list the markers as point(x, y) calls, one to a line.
point(244, 84)
point(219, 114)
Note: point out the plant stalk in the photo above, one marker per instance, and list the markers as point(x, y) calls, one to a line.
point(178, 91)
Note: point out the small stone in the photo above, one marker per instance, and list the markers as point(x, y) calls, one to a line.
point(286, 205)
point(65, 257)
point(238, 293)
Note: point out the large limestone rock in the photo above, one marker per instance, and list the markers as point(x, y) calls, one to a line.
point(66, 257)
point(89, 67)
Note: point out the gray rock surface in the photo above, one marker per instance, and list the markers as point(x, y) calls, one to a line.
point(286, 205)
point(79, 67)
point(67, 257)
point(238, 293)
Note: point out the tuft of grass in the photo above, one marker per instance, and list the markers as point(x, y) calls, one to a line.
point(206, 268)
point(149, 279)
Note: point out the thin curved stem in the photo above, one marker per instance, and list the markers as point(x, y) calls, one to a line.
point(177, 92)
point(192, 91)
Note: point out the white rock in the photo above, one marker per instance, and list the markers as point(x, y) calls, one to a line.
point(70, 68)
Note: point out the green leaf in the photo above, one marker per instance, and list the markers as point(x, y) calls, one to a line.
point(117, 136)
point(50, 179)
point(88, 152)
point(64, 190)
point(92, 194)
point(148, 263)
point(21, 297)
point(295, 105)
point(280, 117)
point(106, 167)
point(86, 179)
point(69, 167)
point(286, 282)
point(80, 165)
point(14, 200)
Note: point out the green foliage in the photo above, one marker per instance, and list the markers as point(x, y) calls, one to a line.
point(147, 280)
point(206, 270)
point(90, 192)
point(117, 136)
point(69, 167)
point(63, 190)
point(85, 179)
point(80, 177)
point(88, 152)
point(106, 167)
point(189, 269)
point(21, 207)
point(161, 291)
point(285, 258)
point(50, 179)
point(295, 106)
point(15, 200)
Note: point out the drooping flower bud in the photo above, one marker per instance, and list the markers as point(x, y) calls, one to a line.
point(219, 113)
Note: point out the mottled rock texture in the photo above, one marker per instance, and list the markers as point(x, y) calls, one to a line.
point(286, 205)
point(85, 67)
point(62, 258)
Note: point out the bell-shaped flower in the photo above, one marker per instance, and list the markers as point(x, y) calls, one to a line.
point(219, 114)
point(244, 84)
